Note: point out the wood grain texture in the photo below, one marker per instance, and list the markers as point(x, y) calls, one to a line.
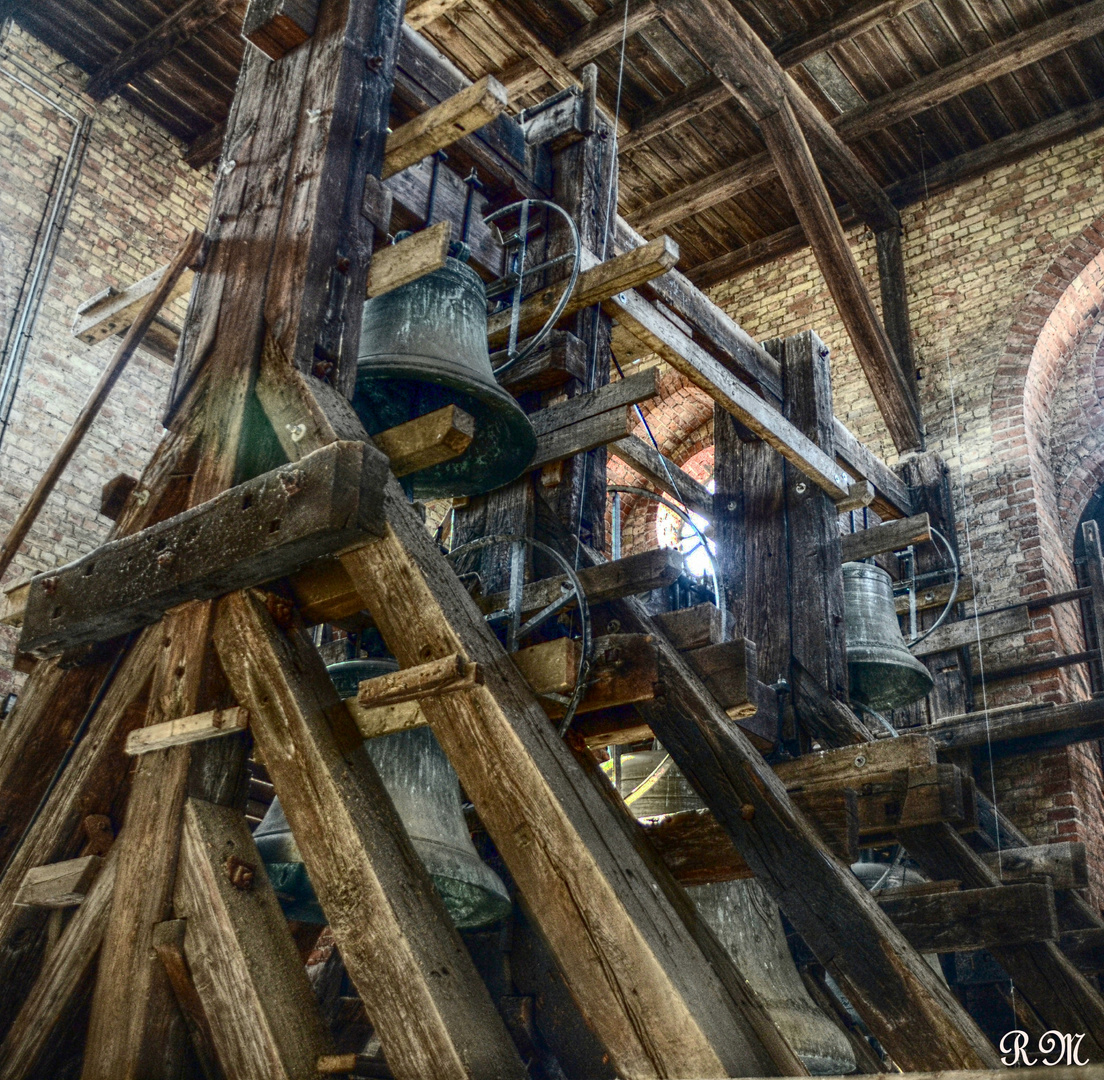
point(420, 989)
point(58, 885)
point(890, 536)
point(427, 440)
point(417, 255)
point(954, 635)
point(65, 969)
point(187, 729)
point(247, 973)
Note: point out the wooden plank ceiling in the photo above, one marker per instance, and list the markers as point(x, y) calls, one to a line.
point(925, 92)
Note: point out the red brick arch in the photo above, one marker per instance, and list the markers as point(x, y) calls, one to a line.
point(1038, 508)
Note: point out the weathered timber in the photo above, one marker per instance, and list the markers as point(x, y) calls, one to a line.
point(1063, 864)
point(65, 969)
point(259, 530)
point(425, 999)
point(917, 796)
point(1094, 568)
point(854, 19)
point(412, 258)
point(58, 885)
point(385, 719)
point(184, 23)
point(278, 26)
point(936, 596)
point(1019, 729)
point(115, 367)
point(622, 672)
point(974, 919)
point(562, 359)
point(168, 944)
point(472, 108)
point(827, 718)
point(884, 373)
point(597, 281)
point(677, 995)
point(187, 729)
point(145, 1035)
point(850, 764)
point(692, 627)
point(1085, 948)
point(642, 572)
point(661, 472)
point(564, 443)
point(96, 768)
point(427, 440)
point(444, 676)
point(698, 851)
point(950, 636)
point(421, 13)
point(115, 311)
point(1053, 986)
point(912, 1013)
point(893, 286)
point(705, 371)
point(892, 498)
point(729, 673)
point(575, 875)
point(615, 395)
point(247, 972)
point(595, 37)
point(14, 603)
point(891, 536)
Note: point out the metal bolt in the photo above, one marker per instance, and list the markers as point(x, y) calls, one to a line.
point(240, 873)
point(747, 812)
point(297, 431)
point(800, 487)
point(49, 586)
point(292, 481)
point(860, 761)
point(165, 559)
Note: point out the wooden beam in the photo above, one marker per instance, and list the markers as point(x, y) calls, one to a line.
point(58, 885)
point(1055, 989)
point(278, 26)
point(444, 124)
point(596, 283)
point(427, 440)
point(892, 498)
point(936, 596)
point(431, 1011)
point(893, 286)
point(1030, 46)
point(247, 973)
point(605, 32)
point(803, 183)
point(64, 970)
point(261, 529)
point(187, 729)
point(114, 310)
point(891, 536)
point(692, 627)
point(188, 20)
point(14, 603)
point(950, 636)
point(728, 671)
point(412, 258)
point(665, 115)
point(562, 359)
point(823, 900)
point(849, 765)
point(661, 472)
point(646, 570)
point(705, 371)
point(420, 13)
point(614, 396)
point(207, 147)
point(566, 442)
point(974, 919)
point(444, 676)
point(1063, 864)
point(853, 20)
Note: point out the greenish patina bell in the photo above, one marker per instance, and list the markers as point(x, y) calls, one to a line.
point(884, 674)
point(424, 346)
point(426, 794)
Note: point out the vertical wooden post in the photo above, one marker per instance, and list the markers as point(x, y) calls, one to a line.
point(584, 183)
point(893, 286)
point(817, 632)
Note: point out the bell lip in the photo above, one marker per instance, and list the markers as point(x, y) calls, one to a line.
point(515, 451)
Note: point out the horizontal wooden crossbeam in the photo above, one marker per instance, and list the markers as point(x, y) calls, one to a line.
point(891, 536)
point(597, 282)
point(446, 123)
point(187, 729)
point(257, 531)
point(661, 472)
point(444, 676)
point(954, 635)
point(412, 258)
point(427, 440)
point(1064, 864)
point(58, 885)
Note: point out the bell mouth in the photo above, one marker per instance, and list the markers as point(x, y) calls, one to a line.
point(504, 441)
point(886, 686)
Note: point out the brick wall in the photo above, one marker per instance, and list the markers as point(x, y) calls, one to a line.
point(134, 202)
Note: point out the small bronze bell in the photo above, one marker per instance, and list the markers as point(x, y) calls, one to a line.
point(426, 794)
point(424, 346)
point(746, 922)
point(884, 674)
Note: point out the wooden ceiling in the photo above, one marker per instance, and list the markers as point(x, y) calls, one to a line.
point(925, 92)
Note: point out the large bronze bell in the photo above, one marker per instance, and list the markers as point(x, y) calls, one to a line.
point(748, 925)
point(424, 346)
point(426, 794)
point(884, 674)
